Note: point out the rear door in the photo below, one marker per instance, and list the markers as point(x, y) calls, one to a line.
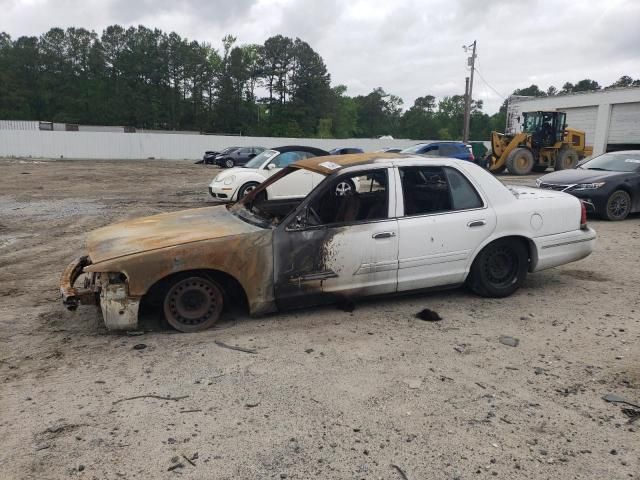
point(344, 242)
point(442, 218)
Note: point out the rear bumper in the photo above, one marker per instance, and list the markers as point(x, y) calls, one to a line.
point(555, 250)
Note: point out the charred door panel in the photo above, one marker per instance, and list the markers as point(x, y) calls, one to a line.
point(299, 266)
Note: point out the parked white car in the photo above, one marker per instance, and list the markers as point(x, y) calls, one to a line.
point(405, 223)
point(234, 183)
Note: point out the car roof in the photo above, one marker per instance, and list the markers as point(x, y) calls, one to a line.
point(292, 148)
point(334, 163)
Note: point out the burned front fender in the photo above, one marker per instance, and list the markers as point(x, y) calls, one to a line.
point(248, 258)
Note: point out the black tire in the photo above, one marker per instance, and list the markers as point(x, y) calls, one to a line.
point(520, 161)
point(540, 168)
point(499, 269)
point(192, 303)
point(566, 159)
point(246, 189)
point(618, 206)
point(229, 163)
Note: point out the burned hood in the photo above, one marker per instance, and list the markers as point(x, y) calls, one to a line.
point(164, 230)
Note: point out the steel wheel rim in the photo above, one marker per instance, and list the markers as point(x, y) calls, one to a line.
point(193, 302)
point(618, 206)
point(501, 267)
point(521, 161)
point(247, 190)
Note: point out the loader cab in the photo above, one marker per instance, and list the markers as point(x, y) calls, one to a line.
point(545, 128)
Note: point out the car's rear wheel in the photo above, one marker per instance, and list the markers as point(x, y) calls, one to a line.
point(618, 206)
point(193, 303)
point(499, 269)
point(246, 189)
point(229, 163)
point(520, 161)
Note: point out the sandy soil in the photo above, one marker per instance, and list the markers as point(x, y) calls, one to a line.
point(329, 394)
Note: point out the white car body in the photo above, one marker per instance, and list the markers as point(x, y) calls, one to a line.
point(229, 183)
point(410, 223)
point(403, 253)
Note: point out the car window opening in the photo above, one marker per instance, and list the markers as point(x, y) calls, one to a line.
point(358, 197)
point(435, 189)
point(256, 208)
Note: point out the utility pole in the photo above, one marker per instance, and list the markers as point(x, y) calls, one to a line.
point(471, 61)
point(465, 129)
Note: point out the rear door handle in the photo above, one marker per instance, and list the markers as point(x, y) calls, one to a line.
point(476, 223)
point(380, 235)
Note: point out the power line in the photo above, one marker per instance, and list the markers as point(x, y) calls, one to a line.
point(488, 85)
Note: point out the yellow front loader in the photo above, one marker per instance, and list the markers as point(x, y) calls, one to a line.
point(544, 142)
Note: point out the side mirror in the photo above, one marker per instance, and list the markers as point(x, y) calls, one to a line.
point(271, 166)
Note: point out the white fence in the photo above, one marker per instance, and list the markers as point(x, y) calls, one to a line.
point(110, 145)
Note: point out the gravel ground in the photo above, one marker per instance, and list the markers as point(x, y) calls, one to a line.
point(372, 394)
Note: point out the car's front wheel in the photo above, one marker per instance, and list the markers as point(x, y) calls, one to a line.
point(193, 303)
point(229, 163)
point(246, 189)
point(499, 269)
point(618, 206)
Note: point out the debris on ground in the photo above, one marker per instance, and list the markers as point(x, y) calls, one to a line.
point(159, 397)
point(139, 346)
point(413, 383)
point(613, 398)
point(400, 472)
point(233, 347)
point(509, 341)
point(428, 315)
point(345, 304)
point(632, 414)
point(459, 348)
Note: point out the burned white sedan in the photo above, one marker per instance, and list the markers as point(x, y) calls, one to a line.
point(377, 224)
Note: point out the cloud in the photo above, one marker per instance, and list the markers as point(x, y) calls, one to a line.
point(409, 47)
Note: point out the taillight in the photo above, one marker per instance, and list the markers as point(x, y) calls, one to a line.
point(471, 157)
point(583, 216)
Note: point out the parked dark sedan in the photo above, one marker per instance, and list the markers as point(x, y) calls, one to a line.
point(209, 157)
point(236, 156)
point(459, 150)
point(609, 185)
point(345, 151)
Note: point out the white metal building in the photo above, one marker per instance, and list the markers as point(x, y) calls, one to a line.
point(609, 118)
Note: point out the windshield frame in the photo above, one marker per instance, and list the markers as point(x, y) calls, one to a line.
point(244, 208)
point(258, 162)
point(605, 157)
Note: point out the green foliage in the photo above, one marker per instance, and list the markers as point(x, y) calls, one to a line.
point(156, 80)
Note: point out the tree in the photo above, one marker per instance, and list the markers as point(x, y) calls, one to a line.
point(531, 91)
point(378, 113)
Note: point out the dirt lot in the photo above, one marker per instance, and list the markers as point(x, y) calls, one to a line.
point(329, 394)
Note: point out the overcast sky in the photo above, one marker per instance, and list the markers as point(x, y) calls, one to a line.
point(408, 47)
